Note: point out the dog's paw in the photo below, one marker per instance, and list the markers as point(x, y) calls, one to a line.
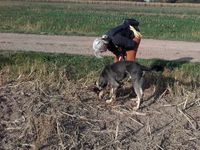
point(134, 99)
point(109, 101)
point(101, 94)
point(100, 97)
point(136, 103)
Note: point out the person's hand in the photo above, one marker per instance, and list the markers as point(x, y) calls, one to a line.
point(137, 34)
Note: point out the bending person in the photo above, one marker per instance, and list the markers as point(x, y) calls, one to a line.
point(122, 41)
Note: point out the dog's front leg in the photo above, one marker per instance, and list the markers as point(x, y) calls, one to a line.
point(101, 94)
point(112, 95)
point(138, 103)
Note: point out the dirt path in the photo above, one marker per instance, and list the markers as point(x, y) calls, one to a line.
point(149, 48)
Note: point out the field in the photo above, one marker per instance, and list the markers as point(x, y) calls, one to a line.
point(47, 102)
point(165, 22)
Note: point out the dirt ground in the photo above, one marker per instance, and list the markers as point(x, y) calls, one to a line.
point(48, 115)
point(56, 113)
point(149, 48)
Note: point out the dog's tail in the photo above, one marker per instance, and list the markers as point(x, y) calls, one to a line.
point(156, 68)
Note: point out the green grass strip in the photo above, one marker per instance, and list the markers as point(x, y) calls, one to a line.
point(77, 66)
point(90, 19)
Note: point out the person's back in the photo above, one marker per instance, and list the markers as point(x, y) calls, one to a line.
point(122, 40)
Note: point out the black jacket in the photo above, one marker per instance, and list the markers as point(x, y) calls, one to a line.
point(121, 37)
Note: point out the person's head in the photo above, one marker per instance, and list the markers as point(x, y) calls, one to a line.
point(99, 46)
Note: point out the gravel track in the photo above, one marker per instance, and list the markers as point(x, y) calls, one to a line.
point(149, 48)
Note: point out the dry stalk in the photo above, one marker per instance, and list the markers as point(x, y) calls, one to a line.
point(193, 138)
point(138, 113)
point(159, 147)
point(185, 103)
point(19, 77)
point(59, 134)
point(80, 117)
point(32, 70)
point(108, 144)
point(129, 113)
point(117, 130)
point(107, 131)
point(188, 119)
point(181, 103)
point(12, 128)
point(89, 106)
point(148, 127)
point(168, 105)
point(44, 92)
point(65, 113)
point(163, 94)
point(136, 121)
point(15, 85)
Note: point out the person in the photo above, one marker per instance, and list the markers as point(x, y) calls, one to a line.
point(122, 40)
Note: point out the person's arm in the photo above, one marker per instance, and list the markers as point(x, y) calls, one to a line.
point(111, 47)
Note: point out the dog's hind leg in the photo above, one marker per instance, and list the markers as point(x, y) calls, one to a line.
point(141, 83)
point(111, 92)
point(137, 85)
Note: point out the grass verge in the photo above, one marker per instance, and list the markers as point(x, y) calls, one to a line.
point(42, 65)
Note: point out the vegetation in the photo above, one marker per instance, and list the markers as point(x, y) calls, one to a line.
point(92, 19)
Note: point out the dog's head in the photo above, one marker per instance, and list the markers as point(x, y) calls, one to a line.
point(101, 83)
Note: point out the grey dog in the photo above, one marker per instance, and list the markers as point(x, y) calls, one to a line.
point(114, 73)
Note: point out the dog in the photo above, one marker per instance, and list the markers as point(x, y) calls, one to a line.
point(114, 73)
